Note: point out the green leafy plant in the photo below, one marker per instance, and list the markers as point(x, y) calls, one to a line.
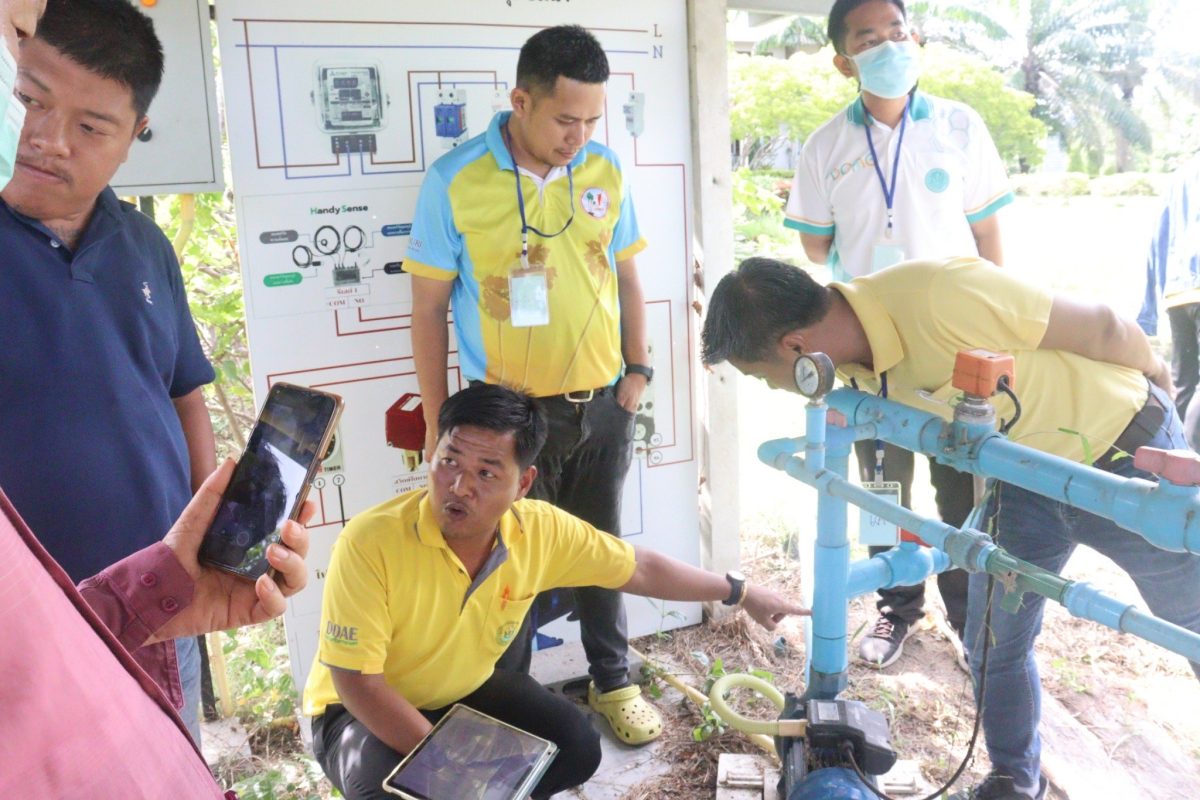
point(260, 676)
point(212, 273)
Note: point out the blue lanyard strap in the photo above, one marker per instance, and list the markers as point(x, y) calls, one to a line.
point(525, 226)
point(889, 193)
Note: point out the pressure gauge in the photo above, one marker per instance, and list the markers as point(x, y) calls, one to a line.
point(814, 374)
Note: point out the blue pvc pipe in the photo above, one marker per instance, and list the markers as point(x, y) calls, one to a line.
point(1167, 516)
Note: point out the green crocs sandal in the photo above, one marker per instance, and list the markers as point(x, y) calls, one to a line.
point(633, 719)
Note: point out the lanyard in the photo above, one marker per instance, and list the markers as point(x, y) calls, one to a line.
point(889, 194)
point(525, 226)
point(878, 473)
point(879, 442)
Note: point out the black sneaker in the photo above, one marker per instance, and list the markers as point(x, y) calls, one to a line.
point(1000, 787)
point(884, 644)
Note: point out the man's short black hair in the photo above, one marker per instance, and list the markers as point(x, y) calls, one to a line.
point(837, 20)
point(755, 305)
point(110, 38)
point(497, 408)
point(565, 50)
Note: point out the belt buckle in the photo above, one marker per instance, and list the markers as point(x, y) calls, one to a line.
point(580, 396)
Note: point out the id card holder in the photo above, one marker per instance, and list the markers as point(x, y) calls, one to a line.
point(873, 530)
point(886, 253)
point(528, 297)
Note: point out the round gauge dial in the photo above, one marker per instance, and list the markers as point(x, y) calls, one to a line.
point(813, 373)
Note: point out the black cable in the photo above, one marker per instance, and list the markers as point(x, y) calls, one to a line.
point(1003, 386)
point(848, 748)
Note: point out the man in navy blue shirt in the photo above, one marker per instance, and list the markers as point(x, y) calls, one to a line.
point(104, 434)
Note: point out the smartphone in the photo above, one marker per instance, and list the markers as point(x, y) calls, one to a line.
point(271, 479)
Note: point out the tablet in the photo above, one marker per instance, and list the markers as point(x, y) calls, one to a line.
point(468, 754)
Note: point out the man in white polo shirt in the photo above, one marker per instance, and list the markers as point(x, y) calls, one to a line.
point(897, 175)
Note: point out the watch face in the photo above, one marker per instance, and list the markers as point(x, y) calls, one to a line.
point(813, 374)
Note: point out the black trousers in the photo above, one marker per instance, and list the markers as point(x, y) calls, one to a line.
point(582, 470)
point(954, 494)
point(1185, 367)
point(356, 761)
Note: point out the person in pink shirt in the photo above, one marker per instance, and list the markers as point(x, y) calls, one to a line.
point(81, 717)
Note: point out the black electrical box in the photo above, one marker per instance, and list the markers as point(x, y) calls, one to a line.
point(834, 723)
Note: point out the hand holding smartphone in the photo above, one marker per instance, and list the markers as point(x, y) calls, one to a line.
point(271, 479)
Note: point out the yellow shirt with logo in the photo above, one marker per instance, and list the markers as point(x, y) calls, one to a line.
point(399, 602)
point(918, 315)
point(467, 229)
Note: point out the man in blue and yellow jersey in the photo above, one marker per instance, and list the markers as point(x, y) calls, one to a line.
point(1081, 367)
point(529, 229)
point(425, 591)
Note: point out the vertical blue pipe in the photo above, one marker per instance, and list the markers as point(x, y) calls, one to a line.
point(831, 565)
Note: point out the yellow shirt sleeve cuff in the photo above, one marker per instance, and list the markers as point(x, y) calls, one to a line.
point(426, 271)
point(631, 251)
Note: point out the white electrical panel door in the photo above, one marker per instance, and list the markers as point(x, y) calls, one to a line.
point(181, 153)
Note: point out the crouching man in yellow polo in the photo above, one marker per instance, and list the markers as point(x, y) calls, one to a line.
point(425, 592)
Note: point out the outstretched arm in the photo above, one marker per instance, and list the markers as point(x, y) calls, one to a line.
point(666, 578)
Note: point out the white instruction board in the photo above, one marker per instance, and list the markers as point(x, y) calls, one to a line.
point(325, 203)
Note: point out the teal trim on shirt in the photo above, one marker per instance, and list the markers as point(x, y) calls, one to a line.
point(804, 227)
point(991, 208)
point(920, 108)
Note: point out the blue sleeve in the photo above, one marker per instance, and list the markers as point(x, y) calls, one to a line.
point(626, 233)
point(435, 241)
point(1156, 274)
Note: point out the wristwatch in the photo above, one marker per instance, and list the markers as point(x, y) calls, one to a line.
point(640, 369)
point(737, 588)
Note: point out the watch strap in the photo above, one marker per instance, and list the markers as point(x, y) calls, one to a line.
point(640, 369)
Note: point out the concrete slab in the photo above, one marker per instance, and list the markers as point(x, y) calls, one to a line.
point(563, 669)
point(224, 738)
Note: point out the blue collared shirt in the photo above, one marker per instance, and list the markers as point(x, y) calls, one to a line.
point(94, 345)
point(1173, 264)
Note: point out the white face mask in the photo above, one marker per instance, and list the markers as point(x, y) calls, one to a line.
point(13, 115)
point(889, 70)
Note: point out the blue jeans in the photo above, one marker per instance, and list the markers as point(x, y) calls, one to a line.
point(1045, 532)
point(188, 653)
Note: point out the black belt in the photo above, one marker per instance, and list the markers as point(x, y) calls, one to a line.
point(579, 396)
point(1140, 431)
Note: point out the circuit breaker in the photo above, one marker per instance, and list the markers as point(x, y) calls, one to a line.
point(450, 117)
point(635, 113)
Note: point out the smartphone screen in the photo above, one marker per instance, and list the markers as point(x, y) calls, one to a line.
point(271, 478)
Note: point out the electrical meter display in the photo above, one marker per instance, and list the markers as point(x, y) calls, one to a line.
point(350, 99)
point(351, 102)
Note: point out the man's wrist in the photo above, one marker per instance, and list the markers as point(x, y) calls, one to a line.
point(643, 370)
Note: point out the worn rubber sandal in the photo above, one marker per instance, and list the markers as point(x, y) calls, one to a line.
point(633, 719)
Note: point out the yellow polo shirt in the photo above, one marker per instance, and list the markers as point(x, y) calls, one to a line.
point(918, 315)
point(399, 602)
point(467, 229)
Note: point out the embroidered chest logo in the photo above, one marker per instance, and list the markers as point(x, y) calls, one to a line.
point(506, 632)
point(595, 202)
point(146, 293)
